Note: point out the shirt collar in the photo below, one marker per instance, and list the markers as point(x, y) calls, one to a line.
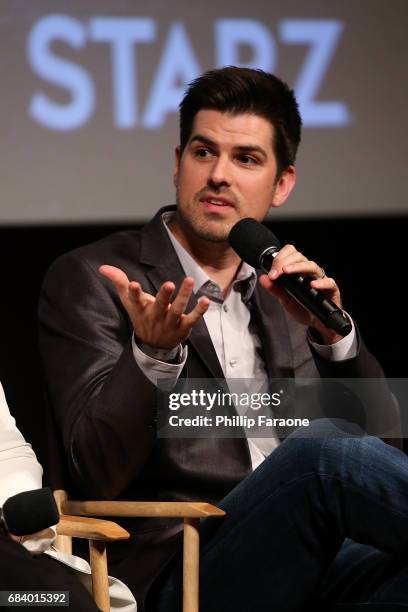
point(244, 281)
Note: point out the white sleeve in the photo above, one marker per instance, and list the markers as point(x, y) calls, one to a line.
point(154, 369)
point(19, 471)
point(19, 468)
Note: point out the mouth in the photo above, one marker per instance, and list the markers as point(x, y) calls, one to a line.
point(217, 203)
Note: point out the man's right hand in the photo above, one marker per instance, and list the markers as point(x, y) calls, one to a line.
point(157, 321)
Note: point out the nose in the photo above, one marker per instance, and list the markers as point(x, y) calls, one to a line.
point(220, 173)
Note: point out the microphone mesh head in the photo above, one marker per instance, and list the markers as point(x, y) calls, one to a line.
point(249, 239)
point(30, 511)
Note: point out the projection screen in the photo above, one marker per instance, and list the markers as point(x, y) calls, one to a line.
point(90, 93)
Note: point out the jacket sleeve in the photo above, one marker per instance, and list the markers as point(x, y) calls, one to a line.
point(103, 404)
point(357, 390)
point(353, 389)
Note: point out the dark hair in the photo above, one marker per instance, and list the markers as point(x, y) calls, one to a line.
point(245, 90)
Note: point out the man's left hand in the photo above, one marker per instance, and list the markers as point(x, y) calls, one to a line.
point(290, 261)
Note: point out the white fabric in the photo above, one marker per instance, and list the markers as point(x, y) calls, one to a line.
point(155, 369)
point(20, 471)
point(121, 598)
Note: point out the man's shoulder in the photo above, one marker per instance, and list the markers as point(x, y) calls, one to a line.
point(116, 249)
point(122, 249)
point(119, 245)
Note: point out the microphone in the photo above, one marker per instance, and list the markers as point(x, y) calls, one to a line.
point(29, 512)
point(258, 246)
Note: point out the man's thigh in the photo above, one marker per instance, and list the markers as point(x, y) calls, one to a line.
point(285, 525)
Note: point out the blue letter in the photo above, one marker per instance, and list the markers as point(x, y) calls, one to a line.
point(323, 36)
point(177, 64)
point(60, 72)
point(123, 33)
point(231, 33)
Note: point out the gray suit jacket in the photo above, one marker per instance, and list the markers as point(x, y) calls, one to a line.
point(105, 408)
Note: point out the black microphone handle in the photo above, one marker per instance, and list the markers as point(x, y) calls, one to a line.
point(298, 287)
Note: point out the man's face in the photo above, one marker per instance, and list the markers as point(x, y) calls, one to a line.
point(227, 171)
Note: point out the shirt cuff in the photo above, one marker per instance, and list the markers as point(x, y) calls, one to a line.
point(155, 368)
point(346, 348)
point(165, 355)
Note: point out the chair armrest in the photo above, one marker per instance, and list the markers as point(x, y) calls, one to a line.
point(90, 528)
point(191, 512)
point(139, 509)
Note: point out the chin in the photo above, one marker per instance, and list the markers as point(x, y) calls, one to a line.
point(217, 234)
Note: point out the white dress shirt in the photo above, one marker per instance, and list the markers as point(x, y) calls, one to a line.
point(235, 340)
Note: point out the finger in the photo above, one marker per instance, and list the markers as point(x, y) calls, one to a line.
point(286, 250)
point(118, 278)
point(280, 264)
point(163, 297)
point(329, 287)
point(136, 294)
point(189, 320)
point(306, 267)
point(182, 298)
point(325, 284)
point(265, 281)
point(274, 289)
point(116, 275)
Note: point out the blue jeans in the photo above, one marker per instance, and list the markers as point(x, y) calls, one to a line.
point(321, 524)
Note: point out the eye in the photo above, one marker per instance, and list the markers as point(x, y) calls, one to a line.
point(202, 152)
point(247, 160)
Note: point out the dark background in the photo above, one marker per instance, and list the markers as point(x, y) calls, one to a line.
point(366, 256)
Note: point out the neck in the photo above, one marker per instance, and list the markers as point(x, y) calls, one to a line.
point(217, 259)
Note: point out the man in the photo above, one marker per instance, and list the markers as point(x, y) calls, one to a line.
point(174, 301)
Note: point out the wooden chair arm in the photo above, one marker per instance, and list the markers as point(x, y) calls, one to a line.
point(98, 532)
point(90, 528)
point(142, 509)
point(191, 512)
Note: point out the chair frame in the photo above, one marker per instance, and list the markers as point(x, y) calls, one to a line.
point(191, 512)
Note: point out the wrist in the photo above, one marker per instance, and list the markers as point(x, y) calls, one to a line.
point(172, 355)
point(323, 335)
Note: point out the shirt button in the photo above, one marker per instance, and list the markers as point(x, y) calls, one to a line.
point(225, 308)
point(233, 363)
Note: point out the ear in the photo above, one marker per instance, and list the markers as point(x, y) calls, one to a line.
point(177, 156)
point(284, 186)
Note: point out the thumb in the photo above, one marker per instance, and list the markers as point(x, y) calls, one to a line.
point(117, 277)
point(274, 289)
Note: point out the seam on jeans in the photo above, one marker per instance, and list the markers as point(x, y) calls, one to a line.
point(287, 485)
point(266, 499)
point(354, 487)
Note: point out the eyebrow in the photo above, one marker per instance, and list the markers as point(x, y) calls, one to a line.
point(241, 148)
